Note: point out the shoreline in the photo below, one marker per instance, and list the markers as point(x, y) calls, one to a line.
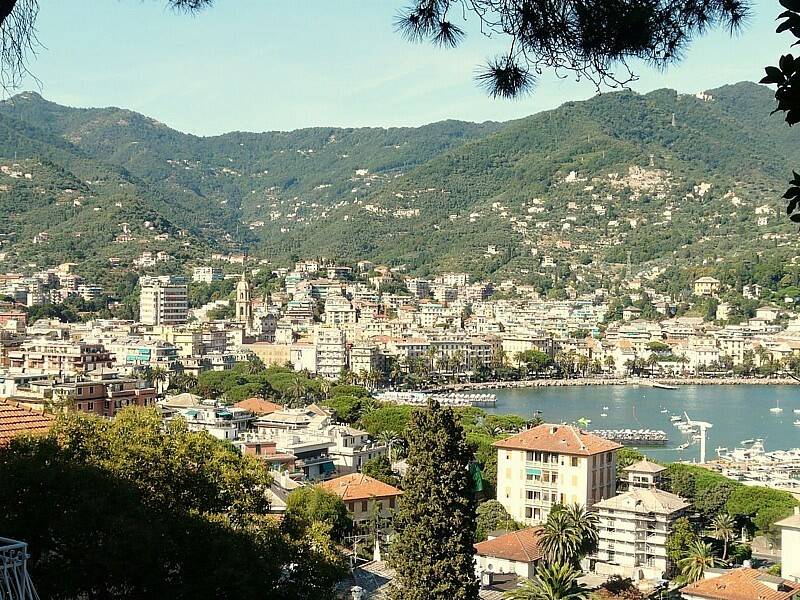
point(535, 383)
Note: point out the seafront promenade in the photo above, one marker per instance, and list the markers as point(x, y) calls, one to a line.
point(628, 381)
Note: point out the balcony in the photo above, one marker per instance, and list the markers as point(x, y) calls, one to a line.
point(15, 582)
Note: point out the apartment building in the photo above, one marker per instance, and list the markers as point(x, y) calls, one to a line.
point(163, 301)
point(59, 357)
point(553, 464)
point(633, 529)
point(331, 352)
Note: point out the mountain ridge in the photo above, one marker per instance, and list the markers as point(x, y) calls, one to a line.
point(440, 196)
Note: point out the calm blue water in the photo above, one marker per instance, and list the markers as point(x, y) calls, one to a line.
point(737, 412)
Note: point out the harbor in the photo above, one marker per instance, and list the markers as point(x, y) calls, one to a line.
point(751, 464)
point(737, 412)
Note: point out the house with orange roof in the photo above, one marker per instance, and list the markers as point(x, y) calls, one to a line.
point(553, 464)
point(743, 583)
point(18, 420)
point(365, 498)
point(515, 552)
point(259, 407)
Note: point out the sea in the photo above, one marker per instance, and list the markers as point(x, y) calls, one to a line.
point(737, 412)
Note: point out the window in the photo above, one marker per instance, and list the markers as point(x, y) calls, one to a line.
point(528, 512)
point(391, 502)
point(574, 461)
point(363, 506)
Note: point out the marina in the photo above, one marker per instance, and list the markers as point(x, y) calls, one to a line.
point(751, 464)
point(634, 437)
point(737, 412)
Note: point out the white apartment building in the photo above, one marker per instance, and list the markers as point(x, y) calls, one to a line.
point(207, 274)
point(339, 311)
point(163, 301)
point(633, 529)
point(553, 464)
point(331, 352)
point(790, 546)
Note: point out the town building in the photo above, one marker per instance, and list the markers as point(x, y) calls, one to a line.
point(516, 552)
point(553, 464)
point(633, 529)
point(706, 286)
point(163, 301)
point(790, 546)
point(743, 583)
point(368, 501)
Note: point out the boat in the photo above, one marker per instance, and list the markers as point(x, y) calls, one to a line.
point(676, 419)
point(777, 408)
point(683, 446)
point(796, 411)
point(603, 414)
point(664, 410)
point(605, 408)
point(663, 386)
point(797, 422)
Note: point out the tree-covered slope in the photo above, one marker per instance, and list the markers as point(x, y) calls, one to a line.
point(665, 176)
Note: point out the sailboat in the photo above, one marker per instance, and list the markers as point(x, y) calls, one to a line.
point(777, 408)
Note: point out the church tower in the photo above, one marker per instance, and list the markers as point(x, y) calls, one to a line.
point(244, 302)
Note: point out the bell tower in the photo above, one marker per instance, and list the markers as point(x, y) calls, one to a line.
point(244, 302)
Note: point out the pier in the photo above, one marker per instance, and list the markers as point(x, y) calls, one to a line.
point(634, 437)
point(452, 399)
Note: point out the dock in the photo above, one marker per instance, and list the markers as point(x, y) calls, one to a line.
point(634, 437)
point(452, 399)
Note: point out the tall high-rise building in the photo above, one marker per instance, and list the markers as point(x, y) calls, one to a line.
point(163, 300)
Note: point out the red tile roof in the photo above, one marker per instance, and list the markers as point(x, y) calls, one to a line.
point(743, 584)
point(358, 486)
point(17, 420)
point(519, 546)
point(257, 406)
point(562, 439)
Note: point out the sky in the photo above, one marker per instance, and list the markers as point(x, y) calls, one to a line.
point(260, 65)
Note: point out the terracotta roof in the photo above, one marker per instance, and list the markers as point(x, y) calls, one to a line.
point(743, 584)
point(519, 546)
point(358, 486)
point(562, 439)
point(640, 500)
point(645, 466)
point(17, 420)
point(257, 406)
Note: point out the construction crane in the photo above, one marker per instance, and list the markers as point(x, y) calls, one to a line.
point(704, 426)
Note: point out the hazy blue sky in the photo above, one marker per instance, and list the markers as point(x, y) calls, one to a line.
point(267, 64)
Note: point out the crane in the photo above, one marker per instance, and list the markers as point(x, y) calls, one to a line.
point(704, 426)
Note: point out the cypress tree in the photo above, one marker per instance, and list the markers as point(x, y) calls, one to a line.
point(432, 552)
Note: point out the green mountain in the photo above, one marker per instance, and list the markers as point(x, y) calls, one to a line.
point(669, 178)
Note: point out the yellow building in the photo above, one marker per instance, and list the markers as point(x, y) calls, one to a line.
point(553, 464)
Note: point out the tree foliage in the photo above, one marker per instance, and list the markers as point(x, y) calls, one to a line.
point(130, 509)
point(432, 551)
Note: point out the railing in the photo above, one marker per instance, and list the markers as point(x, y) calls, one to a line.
point(15, 582)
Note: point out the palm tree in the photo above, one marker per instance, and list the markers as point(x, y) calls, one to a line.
point(254, 365)
point(388, 437)
point(583, 364)
point(559, 540)
point(723, 528)
point(585, 523)
point(652, 362)
point(159, 375)
point(698, 558)
point(325, 388)
point(610, 362)
point(297, 390)
point(551, 582)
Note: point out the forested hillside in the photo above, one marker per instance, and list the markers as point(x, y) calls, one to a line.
point(668, 178)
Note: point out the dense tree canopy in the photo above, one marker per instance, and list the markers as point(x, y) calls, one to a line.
point(130, 509)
